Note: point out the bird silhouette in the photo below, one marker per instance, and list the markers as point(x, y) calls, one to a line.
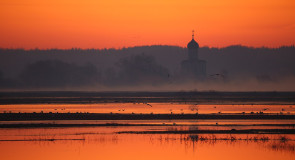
point(149, 105)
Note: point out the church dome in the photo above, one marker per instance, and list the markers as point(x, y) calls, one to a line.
point(192, 44)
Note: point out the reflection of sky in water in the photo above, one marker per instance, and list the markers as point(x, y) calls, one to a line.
point(102, 143)
point(178, 124)
point(146, 108)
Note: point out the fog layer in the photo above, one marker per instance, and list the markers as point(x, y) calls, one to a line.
point(147, 68)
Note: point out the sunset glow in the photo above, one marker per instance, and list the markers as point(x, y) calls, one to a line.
point(116, 24)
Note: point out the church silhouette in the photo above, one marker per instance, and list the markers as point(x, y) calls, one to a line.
point(193, 66)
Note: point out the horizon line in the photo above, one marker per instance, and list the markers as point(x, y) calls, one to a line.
point(163, 45)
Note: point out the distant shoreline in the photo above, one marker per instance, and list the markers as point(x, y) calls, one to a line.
point(48, 124)
point(210, 97)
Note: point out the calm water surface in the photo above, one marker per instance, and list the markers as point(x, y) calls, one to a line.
point(90, 143)
point(146, 108)
point(103, 142)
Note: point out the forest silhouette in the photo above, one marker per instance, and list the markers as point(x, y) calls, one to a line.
point(146, 67)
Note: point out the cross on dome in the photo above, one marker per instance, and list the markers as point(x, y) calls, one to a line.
point(193, 44)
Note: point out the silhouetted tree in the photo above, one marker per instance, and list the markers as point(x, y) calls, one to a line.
point(141, 69)
point(54, 73)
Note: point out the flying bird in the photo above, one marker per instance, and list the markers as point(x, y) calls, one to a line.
point(149, 105)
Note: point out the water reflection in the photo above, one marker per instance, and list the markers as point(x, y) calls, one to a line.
point(112, 146)
point(103, 143)
point(155, 108)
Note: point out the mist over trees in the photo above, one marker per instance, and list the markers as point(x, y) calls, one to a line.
point(155, 67)
point(54, 74)
point(139, 69)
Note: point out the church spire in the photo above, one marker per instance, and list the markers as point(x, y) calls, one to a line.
point(193, 44)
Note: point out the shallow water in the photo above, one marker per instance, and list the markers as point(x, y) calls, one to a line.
point(207, 124)
point(103, 143)
point(146, 108)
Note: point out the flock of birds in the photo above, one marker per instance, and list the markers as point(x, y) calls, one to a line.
point(193, 108)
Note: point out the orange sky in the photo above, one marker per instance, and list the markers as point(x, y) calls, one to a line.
point(117, 23)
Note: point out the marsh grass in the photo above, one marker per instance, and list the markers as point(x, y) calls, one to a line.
point(47, 138)
point(234, 138)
